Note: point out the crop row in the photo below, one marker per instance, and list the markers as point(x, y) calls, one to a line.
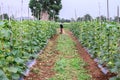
point(20, 42)
point(102, 41)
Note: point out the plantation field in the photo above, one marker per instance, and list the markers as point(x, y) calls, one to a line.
point(67, 56)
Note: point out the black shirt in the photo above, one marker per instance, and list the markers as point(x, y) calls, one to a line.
point(61, 26)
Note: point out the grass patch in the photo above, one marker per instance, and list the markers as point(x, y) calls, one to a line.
point(69, 66)
point(35, 70)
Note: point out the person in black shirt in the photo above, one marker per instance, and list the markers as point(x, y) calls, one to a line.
point(61, 28)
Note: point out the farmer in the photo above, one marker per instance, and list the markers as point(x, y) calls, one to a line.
point(61, 28)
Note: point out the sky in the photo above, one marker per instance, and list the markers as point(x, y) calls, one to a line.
point(92, 7)
point(15, 7)
point(69, 10)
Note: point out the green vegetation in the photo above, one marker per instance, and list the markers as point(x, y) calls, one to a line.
point(69, 66)
point(49, 7)
point(20, 42)
point(5, 16)
point(102, 40)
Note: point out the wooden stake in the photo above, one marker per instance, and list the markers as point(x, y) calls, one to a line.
point(108, 10)
point(99, 11)
point(2, 11)
point(118, 13)
point(75, 15)
point(28, 14)
point(21, 10)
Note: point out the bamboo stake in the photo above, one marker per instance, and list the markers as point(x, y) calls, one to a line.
point(108, 10)
point(75, 15)
point(118, 13)
point(21, 9)
point(8, 13)
point(2, 11)
point(28, 16)
point(99, 12)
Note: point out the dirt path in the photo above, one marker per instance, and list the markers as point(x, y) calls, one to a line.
point(43, 69)
point(92, 65)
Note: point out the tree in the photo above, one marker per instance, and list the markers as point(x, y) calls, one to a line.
point(4, 16)
point(102, 18)
point(117, 18)
point(72, 20)
point(79, 19)
point(45, 9)
point(87, 17)
point(63, 20)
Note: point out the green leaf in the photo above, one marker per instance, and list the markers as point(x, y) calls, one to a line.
point(1, 73)
point(15, 76)
point(13, 69)
point(117, 64)
point(10, 58)
point(3, 76)
point(2, 23)
point(6, 33)
point(114, 70)
point(114, 78)
point(19, 60)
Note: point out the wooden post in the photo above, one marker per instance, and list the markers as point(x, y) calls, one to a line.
point(119, 46)
point(99, 12)
point(0, 13)
point(118, 14)
point(108, 10)
point(53, 15)
point(21, 10)
point(75, 15)
point(9, 12)
point(28, 14)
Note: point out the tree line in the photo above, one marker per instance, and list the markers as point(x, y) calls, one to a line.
point(88, 17)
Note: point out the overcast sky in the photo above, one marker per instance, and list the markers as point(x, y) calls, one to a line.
point(70, 7)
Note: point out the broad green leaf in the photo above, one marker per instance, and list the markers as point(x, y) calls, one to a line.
point(18, 60)
point(13, 69)
point(15, 76)
point(3, 76)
